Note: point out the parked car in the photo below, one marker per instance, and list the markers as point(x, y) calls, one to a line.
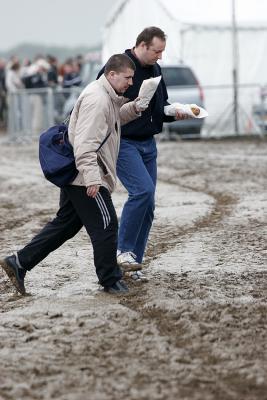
point(183, 87)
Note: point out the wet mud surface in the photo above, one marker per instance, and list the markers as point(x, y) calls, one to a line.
point(197, 330)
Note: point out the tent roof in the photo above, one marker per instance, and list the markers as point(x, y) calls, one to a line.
point(223, 27)
point(119, 6)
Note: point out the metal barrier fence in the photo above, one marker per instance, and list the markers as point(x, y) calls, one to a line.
point(251, 112)
point(33, 110)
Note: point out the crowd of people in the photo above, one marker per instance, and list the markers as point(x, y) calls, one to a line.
point(42, 72)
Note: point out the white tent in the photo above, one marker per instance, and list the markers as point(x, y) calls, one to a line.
point(209, 50)
point(206, 48)
point(129, 17)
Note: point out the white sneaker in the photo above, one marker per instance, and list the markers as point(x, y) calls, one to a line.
point(137, 276)
point(127, 262)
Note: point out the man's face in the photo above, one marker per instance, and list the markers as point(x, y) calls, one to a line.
point(120, 81)
point(152, 53)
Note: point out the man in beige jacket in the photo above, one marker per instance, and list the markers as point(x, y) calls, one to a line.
point(94, 132)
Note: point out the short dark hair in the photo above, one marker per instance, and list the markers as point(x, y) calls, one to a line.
point(148, 34)
point(118, 63)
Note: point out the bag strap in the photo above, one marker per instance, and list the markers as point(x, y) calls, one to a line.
point(104, 141)
point(67, 120)
point(106, 138)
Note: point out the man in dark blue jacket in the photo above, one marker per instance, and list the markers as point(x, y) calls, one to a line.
point(137, 161)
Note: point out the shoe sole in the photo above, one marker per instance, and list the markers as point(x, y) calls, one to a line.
point(114, 293)
point(10, 273)
point(138, 280)
point(117, 293)
point(130, 267)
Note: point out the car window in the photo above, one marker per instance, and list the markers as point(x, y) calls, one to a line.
point(181, 76)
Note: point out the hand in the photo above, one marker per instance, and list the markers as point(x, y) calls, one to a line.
point(140, 104)
point(92, 191)
point(180, 115)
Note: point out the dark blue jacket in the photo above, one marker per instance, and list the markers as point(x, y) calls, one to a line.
point(35, 81)
point(71, 79)
point(151, 121)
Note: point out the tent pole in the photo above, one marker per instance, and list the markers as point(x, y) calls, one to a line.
point(182, 31)
point(235, 67)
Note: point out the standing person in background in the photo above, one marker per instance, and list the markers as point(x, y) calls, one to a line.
point(3, 94)
point(94, 132)
point(71, 75)
point(137, 161)
point(13, 85)
point(35, 74)
point(13, 77)
point(52, 73)
point(35, 78)
point(80, 61)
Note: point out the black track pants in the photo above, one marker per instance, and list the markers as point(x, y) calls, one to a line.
point(77, 209)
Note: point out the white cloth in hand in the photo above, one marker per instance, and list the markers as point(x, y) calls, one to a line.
point(147, 90)
point(140, 106)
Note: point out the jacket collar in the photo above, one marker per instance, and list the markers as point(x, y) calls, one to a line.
point(130, 53)
point(120, 100)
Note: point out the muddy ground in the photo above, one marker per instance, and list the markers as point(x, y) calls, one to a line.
point(196, 330)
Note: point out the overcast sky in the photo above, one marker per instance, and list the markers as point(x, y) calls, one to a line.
point(52, 22)
point(80, 22)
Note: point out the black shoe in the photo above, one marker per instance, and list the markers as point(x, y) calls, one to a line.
point(118, 287)
point(14, 272)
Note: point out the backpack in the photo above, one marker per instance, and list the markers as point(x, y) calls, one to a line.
point(56, 155)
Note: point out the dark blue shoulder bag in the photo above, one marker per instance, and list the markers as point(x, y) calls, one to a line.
point(56, 155)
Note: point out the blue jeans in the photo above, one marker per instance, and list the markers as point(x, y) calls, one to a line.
point(137, 171)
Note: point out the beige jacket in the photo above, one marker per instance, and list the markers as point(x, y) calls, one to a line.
point(98, 111)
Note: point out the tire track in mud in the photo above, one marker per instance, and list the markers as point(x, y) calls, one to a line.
point(165, 239)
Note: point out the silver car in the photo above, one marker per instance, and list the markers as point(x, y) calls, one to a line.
point(183, 87)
